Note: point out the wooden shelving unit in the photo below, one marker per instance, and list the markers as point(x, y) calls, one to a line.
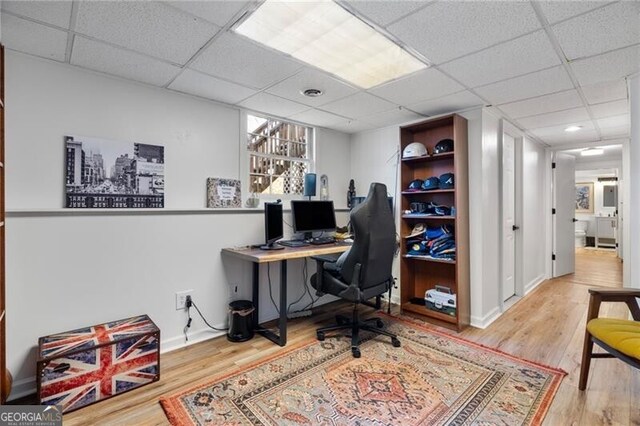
point(421, 273)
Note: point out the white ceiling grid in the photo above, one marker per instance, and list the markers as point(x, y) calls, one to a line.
point(543, 64)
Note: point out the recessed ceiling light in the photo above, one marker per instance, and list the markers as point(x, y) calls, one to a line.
point(592, 151)
point(573, 128)
point(312, 93)
point(325, 35)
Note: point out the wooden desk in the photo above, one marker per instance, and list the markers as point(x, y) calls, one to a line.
point(257, 256)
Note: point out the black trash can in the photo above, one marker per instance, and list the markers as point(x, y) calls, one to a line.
point(240, 321)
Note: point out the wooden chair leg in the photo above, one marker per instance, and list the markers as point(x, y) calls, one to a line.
point(587, 350)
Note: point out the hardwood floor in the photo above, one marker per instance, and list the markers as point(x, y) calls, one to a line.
point(546, 326)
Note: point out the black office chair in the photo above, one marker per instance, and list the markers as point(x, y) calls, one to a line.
point(364, 271)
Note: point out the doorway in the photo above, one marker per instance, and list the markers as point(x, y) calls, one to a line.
point(511, 151)
point(588, 230)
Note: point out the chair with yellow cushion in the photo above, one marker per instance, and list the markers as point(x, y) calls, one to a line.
point(620, 338)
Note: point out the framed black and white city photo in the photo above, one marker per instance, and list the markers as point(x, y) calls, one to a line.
point(113, 174)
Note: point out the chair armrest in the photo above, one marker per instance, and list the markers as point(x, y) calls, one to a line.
point(625, 295)
point(325, 258)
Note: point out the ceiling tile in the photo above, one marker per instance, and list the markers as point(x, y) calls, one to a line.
point(567, 117)
point(565, 138)
point(151, 28)
point(608, 28)
point(543, 104)
point(358, 105)
point(111, 60)
point(516, 57)
point(615, 132)
point(426, 84)
point(52, 12)
point(450, 29)
point(617, 121)
point(395, 116)
point(353, 126)
point(609, 66)
point(610, 109)
point(318, 118)
point(605, 91)
point(35, 39)
point(385, 12)
point(558, 130)
point(450, 103)
point(527, 86)
point(273, 105)
point(203, 85)
point(236, 59)
point(556, 10)
point(218, 12)
point(308, 78)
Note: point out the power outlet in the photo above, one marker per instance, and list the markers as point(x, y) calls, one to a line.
point(181, 299)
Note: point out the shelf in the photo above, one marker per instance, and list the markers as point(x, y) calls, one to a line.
point(433, 191)
point(434, 157)
point(420, 309)
point(125, 212)
point(425, 258)
point(427, 217)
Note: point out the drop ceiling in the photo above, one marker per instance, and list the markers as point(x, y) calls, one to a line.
point(544, 65)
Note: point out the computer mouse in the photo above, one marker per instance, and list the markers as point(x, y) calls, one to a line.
point(348, 240)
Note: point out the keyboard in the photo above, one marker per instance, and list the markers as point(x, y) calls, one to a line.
point(322, 240)
point(293, 243)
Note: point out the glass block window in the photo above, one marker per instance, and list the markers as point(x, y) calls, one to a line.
point(279, 155)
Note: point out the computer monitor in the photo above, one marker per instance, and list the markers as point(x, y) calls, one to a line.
point(272, 226)
point(313, 216)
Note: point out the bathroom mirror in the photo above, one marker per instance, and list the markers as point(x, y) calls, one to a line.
point(610, 196)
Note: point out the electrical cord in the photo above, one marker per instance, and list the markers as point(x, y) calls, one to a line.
point(190, 303)
point(304, 292)
point(270, 291)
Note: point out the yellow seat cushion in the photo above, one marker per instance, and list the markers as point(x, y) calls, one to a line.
point(621, 335)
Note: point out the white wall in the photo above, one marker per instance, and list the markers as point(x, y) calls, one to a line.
point(484, 211)
point(71, 270)
point(631, 268)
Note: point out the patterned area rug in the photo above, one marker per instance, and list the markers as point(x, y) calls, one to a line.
point(434, 378)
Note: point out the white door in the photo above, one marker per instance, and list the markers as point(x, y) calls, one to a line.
point(508, 216)
point(564, 234)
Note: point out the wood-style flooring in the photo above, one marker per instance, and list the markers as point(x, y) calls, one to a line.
point(546, 326)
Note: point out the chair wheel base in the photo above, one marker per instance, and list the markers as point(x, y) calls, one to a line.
point(395, 342)
point(320, 335)
point(355, 351)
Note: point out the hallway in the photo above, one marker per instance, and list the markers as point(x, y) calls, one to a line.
point(548, 326)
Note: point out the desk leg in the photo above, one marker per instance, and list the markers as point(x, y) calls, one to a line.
point(282, 322)
point(256, 293)
point(283, 303)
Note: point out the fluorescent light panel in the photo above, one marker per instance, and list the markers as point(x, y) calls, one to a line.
point(589, 152)
point(573, 128)
point(323, 34)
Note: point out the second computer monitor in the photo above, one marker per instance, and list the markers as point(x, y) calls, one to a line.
point(313, 216)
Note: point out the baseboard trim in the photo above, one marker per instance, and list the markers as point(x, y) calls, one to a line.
point(486, 320)
point(533, 284)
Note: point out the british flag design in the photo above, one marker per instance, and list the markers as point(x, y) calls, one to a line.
point(90, 364)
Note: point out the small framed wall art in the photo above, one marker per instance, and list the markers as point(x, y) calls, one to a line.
point(584, 197)
point(223, 193)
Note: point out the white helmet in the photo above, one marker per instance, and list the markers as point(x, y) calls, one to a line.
point(414, 149)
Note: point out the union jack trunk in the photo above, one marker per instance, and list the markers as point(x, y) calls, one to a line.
point(90, 364)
